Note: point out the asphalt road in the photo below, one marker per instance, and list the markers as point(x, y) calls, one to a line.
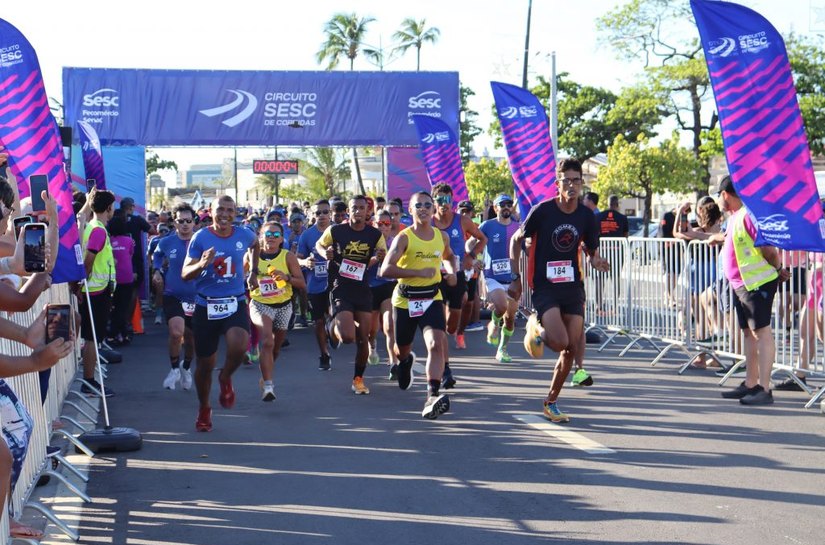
point(667, 460)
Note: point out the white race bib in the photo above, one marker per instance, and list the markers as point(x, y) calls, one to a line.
point(560, 271)
point(218, 308)
point(321, 270)
point(188, 308)
point(352, 270)
point(500, 266)
point(269, 287)
point(417, 307)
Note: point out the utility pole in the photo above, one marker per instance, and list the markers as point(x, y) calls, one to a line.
point(235, 176)
point(526, 45)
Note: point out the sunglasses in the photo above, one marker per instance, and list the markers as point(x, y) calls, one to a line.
point(322, 212)
point(272, 234)
point(443, 199)
point(385, 223)
point(505, 204)
point(427, 205)
point(181, 222)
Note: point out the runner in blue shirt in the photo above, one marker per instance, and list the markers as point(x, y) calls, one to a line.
point(316, 266)
point(178, 296)
point(215, 263)
point(497, 276)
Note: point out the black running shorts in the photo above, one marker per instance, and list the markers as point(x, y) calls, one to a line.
point(173, 308)
point(208, 332)
point(405, 325)
point(381, 293)
point(318, 305)
point(101, 308)
point(569, 299)
point(755, 308)
point(454, 295)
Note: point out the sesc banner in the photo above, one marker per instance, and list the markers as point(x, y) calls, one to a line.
point(439, 147)
point(765, 142)
point(31, 137)
point(229, 108)
point(92, 154)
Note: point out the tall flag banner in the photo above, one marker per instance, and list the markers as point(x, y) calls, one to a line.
point(765, 143)
point(526, 133)
point(92, 154)
point(439, 147)
point(31, 137)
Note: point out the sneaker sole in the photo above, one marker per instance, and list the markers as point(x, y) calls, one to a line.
point(557, 419)
point(268, 397)
point(441, 406)
point(360, 392)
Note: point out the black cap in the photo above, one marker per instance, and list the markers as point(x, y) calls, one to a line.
point(127, 202)
point(726, 185)
point(465, 204)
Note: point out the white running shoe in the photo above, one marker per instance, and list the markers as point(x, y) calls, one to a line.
point(186, 379)
point(171, 379)
point(269, 393)
point(373, 358)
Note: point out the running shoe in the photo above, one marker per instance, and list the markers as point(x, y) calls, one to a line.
point(359, 387)
point(435, 406)
point(96, 388)
point(186, 379)
point(533, 343)
point(790, 385)
point(268, 393)
point(448, 382)
point(171, 379)
point(459, 342)
point(373, 358)
point(553, 413)
point(227, 397)
point(324, 362)
point(493, 334)
point(741, 391)
point(159, 318)
point(405, 373)
point(252, 357)
point(582, 378)
point(393, 372)
point(761, 397)
point(502, 356)
point(475, 326)
point(204, 421)
point(328, 327)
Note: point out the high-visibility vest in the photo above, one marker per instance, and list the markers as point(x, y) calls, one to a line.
point(753, 267)
point(103, 269)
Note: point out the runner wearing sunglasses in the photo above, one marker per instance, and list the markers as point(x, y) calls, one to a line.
point(351, 248)
point(271, 308)
point(316, 266)
point(178, 296)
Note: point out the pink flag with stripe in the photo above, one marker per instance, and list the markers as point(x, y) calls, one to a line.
point(30, 135)
point(439, 147)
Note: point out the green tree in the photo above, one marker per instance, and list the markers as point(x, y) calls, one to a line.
point(468, 128)
point(661, 35)
point(344, 38)
point(486, 179)
point(325, 168)
point(415, 34)
point(807, 59)
point(155, 163)
point(640, 170)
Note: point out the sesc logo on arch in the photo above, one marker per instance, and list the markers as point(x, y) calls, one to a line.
point(99, 105)
point(424, 103)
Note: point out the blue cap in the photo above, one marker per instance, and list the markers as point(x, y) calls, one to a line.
point(502, 198)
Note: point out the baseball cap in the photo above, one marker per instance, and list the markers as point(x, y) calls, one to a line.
point(727, 185)
point(298, 217)
point(502, 198)
point(465, 204)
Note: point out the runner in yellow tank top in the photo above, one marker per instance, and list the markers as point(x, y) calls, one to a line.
point(278, 275)
point(414, 259)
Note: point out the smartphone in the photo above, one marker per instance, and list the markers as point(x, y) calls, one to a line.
point(19, 223)
point(91, 183)
point(38, 183)
point(58, 322)
point(34, 247)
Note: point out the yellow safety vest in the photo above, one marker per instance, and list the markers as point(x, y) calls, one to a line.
point(103, 269)
point(753, 267)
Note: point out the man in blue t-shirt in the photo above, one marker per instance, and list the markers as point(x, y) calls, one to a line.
point(498, 276)
point(215, 263)
point(178, 296)
point(316, 266)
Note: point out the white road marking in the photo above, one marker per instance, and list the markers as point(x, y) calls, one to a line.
point(558, 431)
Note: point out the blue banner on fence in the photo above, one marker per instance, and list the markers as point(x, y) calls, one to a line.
point(526, 134)
point(92, 154)
point(765, 142)
point(31, 137)
point(439, 147)
point(220, 108)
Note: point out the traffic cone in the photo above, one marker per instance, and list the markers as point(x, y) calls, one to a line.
point(137, 320)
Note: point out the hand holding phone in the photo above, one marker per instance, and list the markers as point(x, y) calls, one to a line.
point(38, 183)
point(34, 247)
point(19, 223)
point(58, 323)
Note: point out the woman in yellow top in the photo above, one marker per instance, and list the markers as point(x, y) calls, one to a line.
point(271, 307)
point(414, 259)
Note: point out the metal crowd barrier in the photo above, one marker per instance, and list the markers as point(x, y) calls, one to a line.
point(43, 412)
point(674, 295)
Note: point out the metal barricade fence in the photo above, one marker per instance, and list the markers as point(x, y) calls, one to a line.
point(43, 413)
point(607, 306)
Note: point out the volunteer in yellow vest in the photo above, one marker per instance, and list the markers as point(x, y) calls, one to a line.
point(753, 274)
point(100, 282)
point(278, 275)
point(414, 259)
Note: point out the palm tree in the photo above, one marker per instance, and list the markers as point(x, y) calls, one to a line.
point(345, 34)
point(325, 164)
point(414, 34)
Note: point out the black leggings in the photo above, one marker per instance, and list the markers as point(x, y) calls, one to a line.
point(120, 309)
